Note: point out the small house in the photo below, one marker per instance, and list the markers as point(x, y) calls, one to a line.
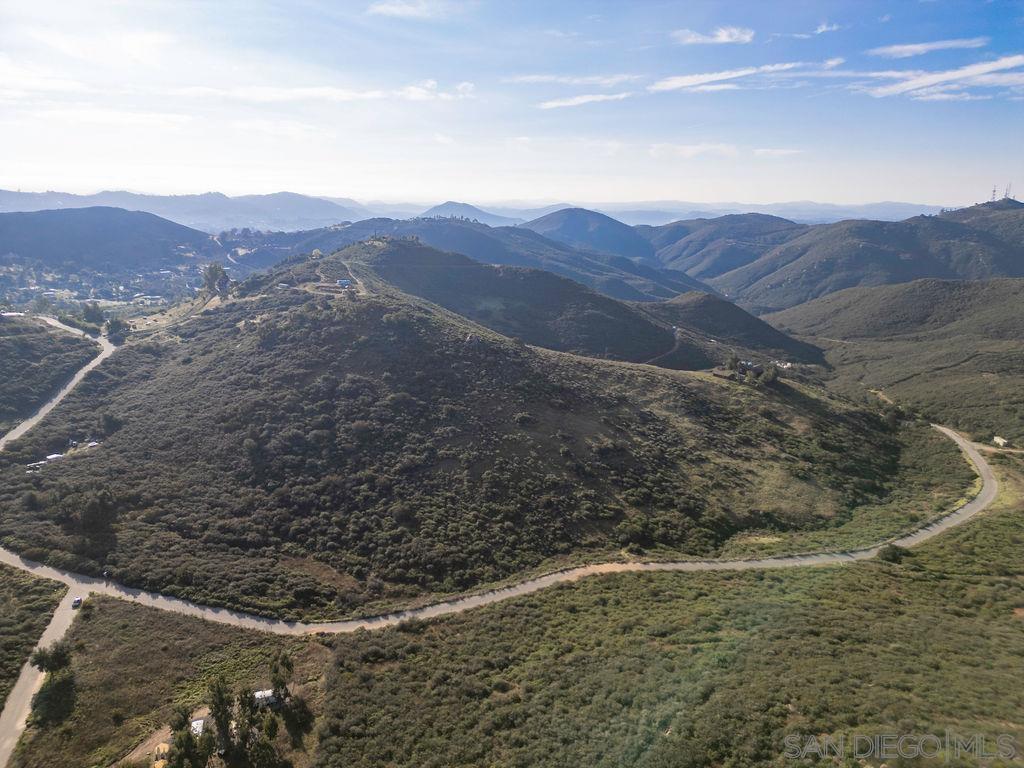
point(197, 727)
point(1000, 441)
point(344, 283)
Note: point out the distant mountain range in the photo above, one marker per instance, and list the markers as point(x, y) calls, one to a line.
point(764, 263)
point(288, 211)
point(211, 212)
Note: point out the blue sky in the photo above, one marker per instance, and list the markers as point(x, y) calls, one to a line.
point(426, 100)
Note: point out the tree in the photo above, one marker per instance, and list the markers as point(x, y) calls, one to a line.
point(768, 376)
point(116, 327)
point(281, 668)
point(733, 363)
point(891, 553)
point(92, 313)
point(215, 278)
point(220, 710)
point(54, 658)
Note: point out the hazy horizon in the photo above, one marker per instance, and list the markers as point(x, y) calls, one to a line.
point(432, 100)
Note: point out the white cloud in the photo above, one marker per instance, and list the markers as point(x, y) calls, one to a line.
point(717, 37)
point(770, 152)
point(688, 151)
point(408, 9)
point(833, 63)
point(715, 87)
point(586, 98)
point(680, 82)
point(946, 93)
point(906, 50)
point(919, 81)
point(112, 117)
point(825, 27)
point(602, 80)
point(268, 94)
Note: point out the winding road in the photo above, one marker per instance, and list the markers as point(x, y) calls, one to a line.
point(17, 707)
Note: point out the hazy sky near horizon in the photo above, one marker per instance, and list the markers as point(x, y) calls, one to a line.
point(480, 100)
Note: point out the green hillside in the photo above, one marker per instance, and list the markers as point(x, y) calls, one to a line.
point(950, 349)
point(707, 248)
point(832, 257)
point(36, 361)
point(531, 305)
point(107, 240)
point(592, 231)
point(301, 452)
point(724, 328)
point(612, 275)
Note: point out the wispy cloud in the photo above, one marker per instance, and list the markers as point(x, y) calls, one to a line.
point(715, 87)
point(688, 151)
point(921, 80)
point(681, 82)
point(603, 80)
point(408, 9)
point(427, 90)
point(719, 36)
point(586, 98)
point(772, 152)
point(833, 63)
point(906, 50)
point(947, 93)
point(824, 27)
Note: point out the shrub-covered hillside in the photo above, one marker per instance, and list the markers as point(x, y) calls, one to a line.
point(299, 451)
point(947, 348)
point(35, 360)
point(532, 305)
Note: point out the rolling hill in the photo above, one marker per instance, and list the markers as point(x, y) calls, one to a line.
point(767, 264)
point(592, 231)
point(296, 451)
point(614, 276)
point(532, 305)
point(107, 240)
point(708, 248)
point(211, 212)
point(453, 210)
point(832, 257)
point(950, 349)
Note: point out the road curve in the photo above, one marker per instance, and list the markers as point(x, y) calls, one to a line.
point(106, 350)
point(83, 585)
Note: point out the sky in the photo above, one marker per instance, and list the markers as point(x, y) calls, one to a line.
point(847, 101)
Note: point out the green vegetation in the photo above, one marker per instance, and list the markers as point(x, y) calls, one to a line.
point(135, 669)
point(532, 305)
point(37, 361)
point(592, 231)
point(612, 275)
point(677, 670)
point(769, 264)
point(931, 479)
point(26, 605)
point(949, 350)
point(295, 453)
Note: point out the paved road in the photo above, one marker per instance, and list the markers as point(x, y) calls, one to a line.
point(106, 350)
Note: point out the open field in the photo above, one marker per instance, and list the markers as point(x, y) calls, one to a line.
point(25, 607)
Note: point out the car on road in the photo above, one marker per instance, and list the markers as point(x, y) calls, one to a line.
point(76, 603)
